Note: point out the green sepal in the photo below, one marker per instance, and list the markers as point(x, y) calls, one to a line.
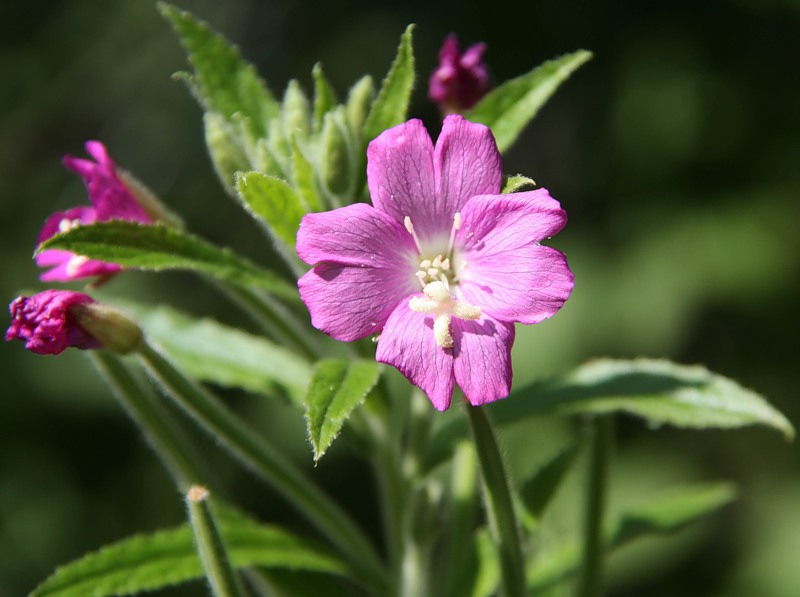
point(358, 102)
point(225, 148)
point(336, 159)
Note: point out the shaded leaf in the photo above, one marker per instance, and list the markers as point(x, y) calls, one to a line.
point(537, 491)
point(157, 248)
point(148, 562)
point(391, 105)
point(668, 513)
point(509, 108)
point(212, 352)
point(657, 390)
point(336, 388)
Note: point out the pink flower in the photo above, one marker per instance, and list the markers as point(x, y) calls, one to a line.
point(46, 322)
point(111, 200)
point(460, 80)
point(441, 265)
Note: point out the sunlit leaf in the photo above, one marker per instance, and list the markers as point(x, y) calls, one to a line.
point(148, 562)
point(657, 390)
point(509, 108)
point(336, 388)
point(157, 248)
point(391, 105)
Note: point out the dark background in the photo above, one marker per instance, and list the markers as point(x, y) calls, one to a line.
point(675, 151)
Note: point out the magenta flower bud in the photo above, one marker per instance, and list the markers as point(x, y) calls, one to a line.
point(461, 79)
point(45, 323)
point(111, 198)
point(54, 320)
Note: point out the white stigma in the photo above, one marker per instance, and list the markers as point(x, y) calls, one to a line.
point(440, 302)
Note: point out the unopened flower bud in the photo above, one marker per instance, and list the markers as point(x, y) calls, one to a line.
point(461, 79)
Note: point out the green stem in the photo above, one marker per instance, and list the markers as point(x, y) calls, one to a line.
point(499, 504)
point(156, 422)
point(262, 458)
point(592, 569)
point(210, 548)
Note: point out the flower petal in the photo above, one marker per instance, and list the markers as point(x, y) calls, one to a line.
point(508, 274)
point(482, 358)
point(466, 163)
point(407, 343)
point(357, 234)
point(351, 302)
point(400, 176)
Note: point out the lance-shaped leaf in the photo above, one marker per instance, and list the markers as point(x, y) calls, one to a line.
point(222, 81)
point(157, 248)
point(336, 388)
point(148, 562)
point(657, 390)
point(668, 513)
point(210, 351)
point(537, 491)
point(273, 203)
point(509, 108)
point(391, 105)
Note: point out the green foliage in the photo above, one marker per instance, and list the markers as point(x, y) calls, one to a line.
point(665, 514)
point(336, 388)
point(148, 562)
point(391, 105)
point(275, 204)
point(158, 248)
point(536, 492)
point(210, 351)
point(509, 108)
point(517, 184)
point(659, 391)
point(324, 96)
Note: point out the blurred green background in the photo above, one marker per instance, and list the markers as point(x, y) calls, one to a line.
point(676, 153)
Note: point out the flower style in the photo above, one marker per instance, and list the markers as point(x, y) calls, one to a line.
point(441, 265)
point(111, 198)
point(461, 79)
point(46, 322)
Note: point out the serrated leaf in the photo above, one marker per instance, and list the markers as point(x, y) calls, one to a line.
point(157, 248)
point(273, 203)
point(659, 391)
point(668, 513)
point(337, 387)
point(210, 351)
point(148, 562)
point(324, 96)
point(509, 108)
point(537, 491)
point(223, 82)
point(391, 105)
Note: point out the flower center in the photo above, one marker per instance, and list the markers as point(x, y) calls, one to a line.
point(438, 278)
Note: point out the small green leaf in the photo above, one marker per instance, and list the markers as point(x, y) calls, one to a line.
point(324, 96)
point(225, 147)
point(337, 166)
point(296, 112)
point(391, 105)
point(158, 248)
point(149, 562)
point(671, 512)
point(508, 109)
point(517, 184)
point(212, 352)
point(223, 82)
point(274, 203)
point(304, 179)
point(358, 102)
point(336, 388)
point(659, 391)
point(537, 491)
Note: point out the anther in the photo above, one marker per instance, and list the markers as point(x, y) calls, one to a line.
point(456, 226)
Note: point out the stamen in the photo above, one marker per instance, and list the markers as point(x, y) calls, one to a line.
point(456, 226)
point(410, 227)
point(437, 261)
